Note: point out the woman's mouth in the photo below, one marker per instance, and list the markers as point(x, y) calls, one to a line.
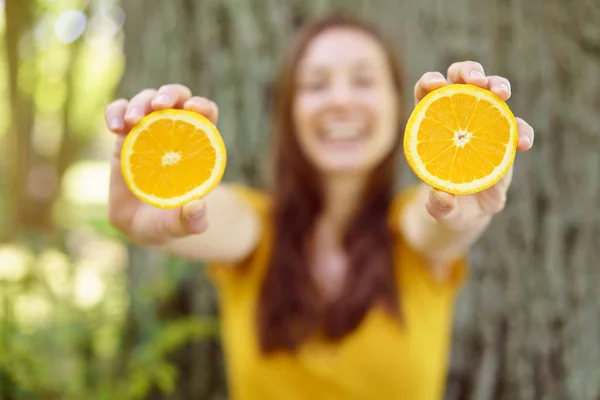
point(342, 132)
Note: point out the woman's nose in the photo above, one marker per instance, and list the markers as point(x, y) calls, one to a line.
point(341, 93)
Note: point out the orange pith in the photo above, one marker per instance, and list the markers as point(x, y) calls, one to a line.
point(171, 157)
point(461, 139)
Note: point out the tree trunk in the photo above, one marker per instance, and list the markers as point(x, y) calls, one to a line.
point(528, 322)
point(19, 19)
point(34, 178)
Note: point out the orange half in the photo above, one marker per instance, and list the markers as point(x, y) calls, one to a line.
point(461, 139)
point(172, 157)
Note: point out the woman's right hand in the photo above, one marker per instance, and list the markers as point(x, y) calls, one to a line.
point(142, 223)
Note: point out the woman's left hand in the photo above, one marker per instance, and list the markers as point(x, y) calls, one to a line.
point(459, 212)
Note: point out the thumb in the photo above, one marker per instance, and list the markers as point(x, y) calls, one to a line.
point(191, 219)
point(440, 205)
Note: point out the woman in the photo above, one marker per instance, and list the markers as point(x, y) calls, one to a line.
point(331, 286)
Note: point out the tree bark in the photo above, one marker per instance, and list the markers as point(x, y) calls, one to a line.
point(528, 321)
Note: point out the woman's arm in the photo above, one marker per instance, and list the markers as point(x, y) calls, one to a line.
point(231, 235)
point(443, 226)
point(441, 240)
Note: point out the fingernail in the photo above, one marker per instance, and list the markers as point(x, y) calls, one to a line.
point(196, 210)
point(503, 87)
point(163, 99)
point(477, 74)
point(526, 141)
point(439, 200)
point(134, 113)
point(115, 123)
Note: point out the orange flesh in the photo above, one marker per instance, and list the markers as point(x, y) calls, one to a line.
point(192, 162)
point(483, 130)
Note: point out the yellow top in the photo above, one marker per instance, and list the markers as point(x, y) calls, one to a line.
point(379, 360)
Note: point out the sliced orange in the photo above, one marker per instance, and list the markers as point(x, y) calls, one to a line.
point(461, 139)
point(172, 157)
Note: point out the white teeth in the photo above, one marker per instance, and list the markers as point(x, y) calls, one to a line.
point(343, 130)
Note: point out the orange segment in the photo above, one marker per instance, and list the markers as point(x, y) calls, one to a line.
point(461, 139)
point(172, 157)
point(437, 113)
point(462, 104)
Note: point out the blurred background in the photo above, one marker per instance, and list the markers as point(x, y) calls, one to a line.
point(85, 315)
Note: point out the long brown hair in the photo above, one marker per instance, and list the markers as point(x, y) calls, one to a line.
point(290, 309)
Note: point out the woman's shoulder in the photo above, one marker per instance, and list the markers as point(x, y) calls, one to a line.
point(256, 198)
point(401, 198)
point(407, 193)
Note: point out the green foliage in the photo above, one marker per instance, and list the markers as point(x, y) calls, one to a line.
point(149, 366)
point(63, 316)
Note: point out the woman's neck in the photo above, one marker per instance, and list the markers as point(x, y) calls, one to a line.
point(342, 195)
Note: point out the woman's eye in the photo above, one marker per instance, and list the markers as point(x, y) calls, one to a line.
point(314, 86)
point(364, 81)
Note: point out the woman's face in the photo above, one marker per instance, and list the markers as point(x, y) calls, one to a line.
point(345, 109)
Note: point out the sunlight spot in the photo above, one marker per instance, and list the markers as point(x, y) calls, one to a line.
point(14, 262)
point(87, 182)
point(42, 31)
point(47, 135)
point(32, 310)
point(54, 266)
point(105, 24)
point(89, 287)
point(69, 26)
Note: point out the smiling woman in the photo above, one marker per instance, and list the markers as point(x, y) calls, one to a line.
point(338, 138)
point(331, 284)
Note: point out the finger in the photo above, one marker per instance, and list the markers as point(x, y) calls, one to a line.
point(171, 96)
point(193, 217)
point(203, 106)
point(139, 106)
point(499, 86)
point(493, 200)
point(115, 116)
point(526, 135)
point(504, 182)
point(118, 146)
point(428, 82)
point(467, 72)
point(507, 179)
point(188, 220)
point(440, 205)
